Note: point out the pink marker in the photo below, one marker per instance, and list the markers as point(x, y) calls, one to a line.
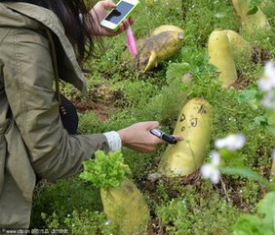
point(131, 41)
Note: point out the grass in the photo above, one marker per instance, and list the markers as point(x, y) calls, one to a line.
point(184, 205)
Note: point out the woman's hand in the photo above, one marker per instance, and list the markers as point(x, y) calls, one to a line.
point(99, 11)
point(139, 138)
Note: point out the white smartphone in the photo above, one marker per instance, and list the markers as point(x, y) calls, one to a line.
point(117, 15)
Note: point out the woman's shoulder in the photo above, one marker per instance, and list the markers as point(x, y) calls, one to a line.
point(30, 15)
point(24, 15)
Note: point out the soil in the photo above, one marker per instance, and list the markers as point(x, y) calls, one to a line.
point(101, 109)
point(99, 100)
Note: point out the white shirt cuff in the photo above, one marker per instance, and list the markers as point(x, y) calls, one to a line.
point(114, 140)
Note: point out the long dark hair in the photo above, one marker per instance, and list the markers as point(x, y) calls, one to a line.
point(77, 28)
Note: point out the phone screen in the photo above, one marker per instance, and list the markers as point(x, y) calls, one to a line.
point(118, 14)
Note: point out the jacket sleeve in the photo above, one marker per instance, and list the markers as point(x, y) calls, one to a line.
point(29, 78)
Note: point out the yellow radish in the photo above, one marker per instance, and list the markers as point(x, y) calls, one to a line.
point(195, 125)
point(164, 28)
point(273, 168)
point(158, 48)
point(239, 46)
point(126, 208)
point(251, 23)
point(264, 3)
point(221, 56)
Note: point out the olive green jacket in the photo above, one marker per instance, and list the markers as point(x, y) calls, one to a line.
point(33, 142)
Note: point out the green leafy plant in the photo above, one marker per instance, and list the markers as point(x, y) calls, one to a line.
point(197, 214)
point(105, 170)
point(260, 223)
point(54, 203)
point(254, 6)
point(246, 173)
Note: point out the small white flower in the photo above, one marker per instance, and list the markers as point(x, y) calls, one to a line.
point(211, 170)
point(219, 15)
point(107, 222)
point(267, 82)
point(232, 142)
point(269, 100)
point(184, 203)
point(270, 70)
point(215, 157)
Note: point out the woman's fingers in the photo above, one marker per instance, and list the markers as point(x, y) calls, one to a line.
point(108, 4)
